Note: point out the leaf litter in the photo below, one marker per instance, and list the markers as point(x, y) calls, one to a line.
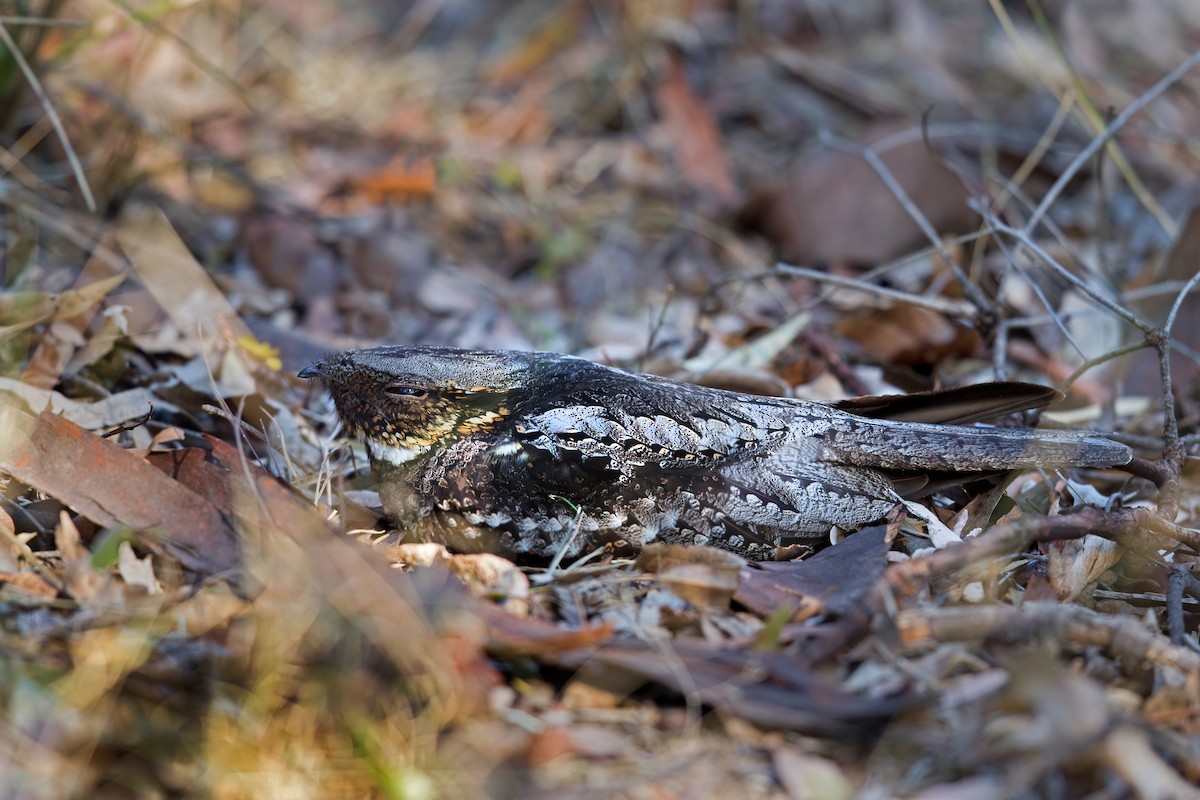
point(198, 598)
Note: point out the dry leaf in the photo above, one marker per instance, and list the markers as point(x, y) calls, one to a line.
point(200, 313)
point(836, 208)
point(83, 581)
point(41, 307)
point(809, 777)
point(704, 576)
point(400, 181)
point(906, 335)
point(112, 486)
point(95, 415)
point(834, 579)
point(28, 582)
point(700, 151)
point(1075, 563)
point(137, 571)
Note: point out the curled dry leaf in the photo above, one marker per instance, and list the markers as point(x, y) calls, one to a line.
point(1075, 563)
point(484, 574)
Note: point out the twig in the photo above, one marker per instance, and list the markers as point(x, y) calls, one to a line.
point(1137, 529)
point(1122, 636)
point(1172, 447)
point(1022, 237)
point(1147, 97)
point(52, 114)
point(1045, 142)
point(1154, 471)
point(569, 538)
point(1093, 117)
point(943, 306)
point(41, 22)
point(1041, 296)
point(1104, 358)
point(973, 293)
point(656, 327)
point(133, 424)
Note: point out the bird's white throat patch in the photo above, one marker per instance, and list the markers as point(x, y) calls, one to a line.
point(393, 454)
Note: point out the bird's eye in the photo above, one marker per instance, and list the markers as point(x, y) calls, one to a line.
point(405, 391)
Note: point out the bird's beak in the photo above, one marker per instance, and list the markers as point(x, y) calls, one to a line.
point(316, 370)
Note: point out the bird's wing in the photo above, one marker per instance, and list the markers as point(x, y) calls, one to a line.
point(979, 402)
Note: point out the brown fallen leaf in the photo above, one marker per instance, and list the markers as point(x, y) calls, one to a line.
point(201, 315)
point(112, 486)
point(700, 151)
point(832, 580)
point(284, 532)
point(194, 468)
point(29, 583)
point(400, 181)
point(768, 689)
point(510, 635)
point(835, 208)
point(50, 360)
point(905, 335)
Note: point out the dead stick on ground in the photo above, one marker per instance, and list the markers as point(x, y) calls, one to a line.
point(1122, 636)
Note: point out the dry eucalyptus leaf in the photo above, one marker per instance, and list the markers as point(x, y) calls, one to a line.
point(113, 329)
point(35, 308)
point(1075, 563)
point(83, 581)
point(96, 415)
point(137, 571)
point(199, 311)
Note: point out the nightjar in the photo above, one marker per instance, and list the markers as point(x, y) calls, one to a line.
point(527, 454)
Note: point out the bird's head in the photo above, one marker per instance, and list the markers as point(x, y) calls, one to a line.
point(404, 402)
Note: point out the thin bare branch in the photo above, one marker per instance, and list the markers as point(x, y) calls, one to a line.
point(1085, 155)
point(970, 289)
point(52, 114)
point(941, 305)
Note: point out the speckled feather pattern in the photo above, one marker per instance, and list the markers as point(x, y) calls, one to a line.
point(520, 452)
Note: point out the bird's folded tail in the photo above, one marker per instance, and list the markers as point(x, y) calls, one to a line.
point(887, 444)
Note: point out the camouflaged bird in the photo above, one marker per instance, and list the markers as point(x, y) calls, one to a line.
point(532, 453)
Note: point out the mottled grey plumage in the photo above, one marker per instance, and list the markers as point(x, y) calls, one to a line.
point(516, 452)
